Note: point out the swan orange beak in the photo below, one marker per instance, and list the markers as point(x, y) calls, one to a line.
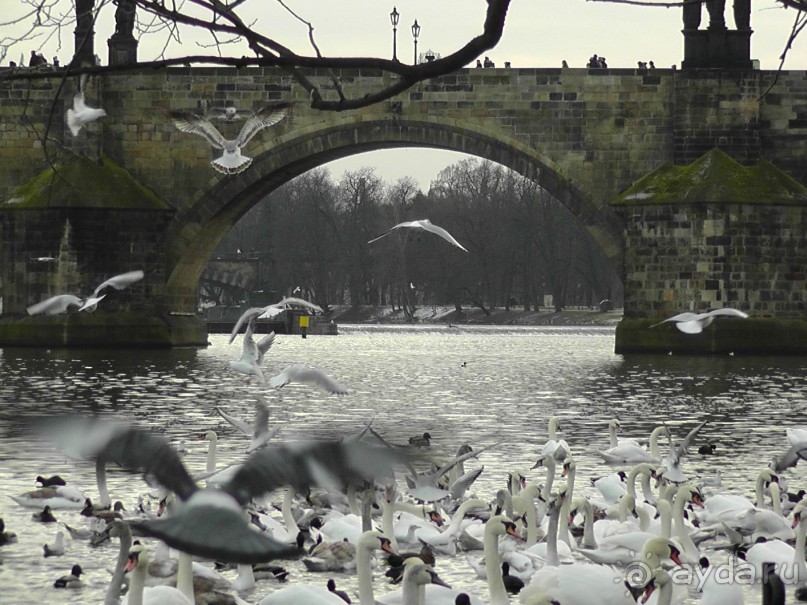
point(796, 520)
point(436, 518)
point(697, 500)
point(511, 529)
point(386, 545)
point(131, 562)
point(648, 591)
point(675, 555)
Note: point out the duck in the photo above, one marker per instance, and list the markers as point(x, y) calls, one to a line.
point(46, 516)
point(6, 537)
point(72, 580)
point(422, 441)
point(57, 548)
point(104, 514)
point(51, 481)
point(331, 556)
point(512, 584)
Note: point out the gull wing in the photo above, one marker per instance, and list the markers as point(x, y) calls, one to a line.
point(54, 305)
point(728, 312)
point(119, 282)
point(428, 226)
point(261, 433)
point(791, 457)
point(327, 464)
point(268, 116)
point(190, 122)
point(242, 426)
point(409, 224)
point(79, 103)
point(312, 376)
point(264, 344)
point(461, 484)
point(290, 300)
point(247, 315)
point(687, 316)
point(457, 459)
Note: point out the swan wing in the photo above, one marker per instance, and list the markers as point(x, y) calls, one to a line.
point(193, 124)
point(791, 457)
point(268, 116)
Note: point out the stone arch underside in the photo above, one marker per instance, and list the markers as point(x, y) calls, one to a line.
point(200, 226)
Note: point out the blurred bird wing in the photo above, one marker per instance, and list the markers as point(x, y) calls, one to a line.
point(409, 224)
point(79, 103)
point(242, 426)
point(686, 316)
point(271, 312)
point(54, 305)
point(791, 457)
point(457, 459)
point(247, 315)
point(268, 116)
point(307, 375)
point(264, 344)
point(326, 464)
point(119, 282)
point(290, 300)
point(727, 312)
point(91, 303)
point(189, 122)
point(428, 226)
point(681, 449)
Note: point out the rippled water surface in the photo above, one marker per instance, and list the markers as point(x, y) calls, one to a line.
point(482, 385)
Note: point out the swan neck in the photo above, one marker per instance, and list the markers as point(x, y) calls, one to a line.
point(665, 594)
point(654, 451)
point(552, 538)
point(211, 453)
point(532, 523)
point(352, 503)
point(798, 556)
point(288, 518)
point(665, 514)
point(493, 568)
point(364, 573)
point(185, 575)
point(588, 530)
point(689, 549)
point(776, 501)
point(367, 510)
point(550, 475)
point(100, 480)
point(138, 581)
point(612, 436)
point(113, 590)
point(759, 492)
point(387, 525)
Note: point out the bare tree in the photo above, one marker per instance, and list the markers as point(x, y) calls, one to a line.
point(231, 28)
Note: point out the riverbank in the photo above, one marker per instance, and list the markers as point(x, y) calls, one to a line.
point(496, 316)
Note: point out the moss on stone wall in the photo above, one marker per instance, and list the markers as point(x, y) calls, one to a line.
point(715, 177)
point(81, 183)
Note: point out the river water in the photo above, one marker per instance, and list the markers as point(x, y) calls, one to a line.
point(480, 385)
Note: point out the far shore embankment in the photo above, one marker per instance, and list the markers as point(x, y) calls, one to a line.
point(580, 316)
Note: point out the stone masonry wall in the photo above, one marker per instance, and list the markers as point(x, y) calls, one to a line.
point(695, 257)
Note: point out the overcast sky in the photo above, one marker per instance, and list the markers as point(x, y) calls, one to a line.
point(538, 33)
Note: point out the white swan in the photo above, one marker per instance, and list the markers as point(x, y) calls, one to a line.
point(631, 452)
point(417, 576)
point(155, 595)
point(789, 560)
point(557, 448)
point(434, 537)
point(57, 497)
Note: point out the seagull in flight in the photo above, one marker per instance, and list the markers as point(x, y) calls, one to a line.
point(258, 431)
point(270, 311)
point(211, 523)
point(426, 225)
point(299, 373)
point(252, 353)
point(695, 323)
point(231, 161)
point(70, 303)
point(81, 114)
point(674, 472)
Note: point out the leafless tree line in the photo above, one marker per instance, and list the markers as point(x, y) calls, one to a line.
point(312, 234)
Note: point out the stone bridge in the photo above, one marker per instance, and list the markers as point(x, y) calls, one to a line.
point(584, 135)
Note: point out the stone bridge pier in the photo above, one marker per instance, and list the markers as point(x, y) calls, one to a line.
point(133, 192)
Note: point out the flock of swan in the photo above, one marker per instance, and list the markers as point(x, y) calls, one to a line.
point(361, 506)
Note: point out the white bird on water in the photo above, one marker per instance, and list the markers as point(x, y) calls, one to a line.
point(426, 225)
point(695, 323)
point(231, 161)
point(68, 303)
point(81, 114)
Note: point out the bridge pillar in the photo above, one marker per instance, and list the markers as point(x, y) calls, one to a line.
point(67, 235)
point(710, 235)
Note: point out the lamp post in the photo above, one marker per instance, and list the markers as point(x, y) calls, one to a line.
point(415, 34)
point(393, 17)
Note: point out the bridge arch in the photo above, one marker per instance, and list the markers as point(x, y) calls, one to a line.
point(200, 224)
